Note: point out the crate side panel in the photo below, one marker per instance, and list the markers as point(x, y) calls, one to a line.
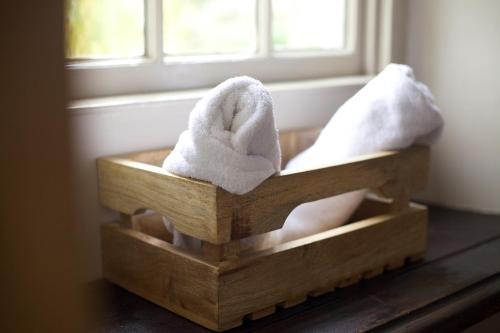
point(254, 283)
point(147, 267)
point(127, 186)
point(266, 207)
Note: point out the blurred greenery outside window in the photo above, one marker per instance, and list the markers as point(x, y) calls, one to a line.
point(105, 29)
point(116, 29)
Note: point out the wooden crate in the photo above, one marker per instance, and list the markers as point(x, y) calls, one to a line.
point(221, 286)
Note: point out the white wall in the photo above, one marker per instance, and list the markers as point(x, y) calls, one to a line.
point(454, 47)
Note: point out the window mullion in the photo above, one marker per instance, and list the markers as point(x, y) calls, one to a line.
point(264, 27)
point(154, 30)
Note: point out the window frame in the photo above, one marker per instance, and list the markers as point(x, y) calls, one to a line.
point(156, 73)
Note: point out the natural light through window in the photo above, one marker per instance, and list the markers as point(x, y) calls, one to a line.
point(308, 24)
point(209, 27)
point(111, 29)
point(105, 29)
point(120, 47)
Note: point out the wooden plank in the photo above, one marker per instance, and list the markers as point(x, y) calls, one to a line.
point(262, 313)
point(293, 301)
point(152, 225)
point(266, 207)
point(389, 298)
point(219, 252)
point(152, 157)
point(161, 273)
point(454, 313)
point(296, 141)
point(327, 258)
point(128, 186)
point(455, 230)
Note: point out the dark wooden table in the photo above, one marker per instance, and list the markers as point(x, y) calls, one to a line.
point(455, 286)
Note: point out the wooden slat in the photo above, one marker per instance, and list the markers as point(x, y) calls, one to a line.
point(128, 186)
point(296, 141)
point(339, 256)
point(161, 273)
point(219, 252)
point(293, 301)
point(262, 313)
point(152, 224)
point(152, 157)
point(266, 208)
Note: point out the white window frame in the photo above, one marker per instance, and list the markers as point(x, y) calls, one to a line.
point(156, 73)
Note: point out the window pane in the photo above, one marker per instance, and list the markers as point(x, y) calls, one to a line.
point(104, 29)
point(192, 27)
point(308, 24)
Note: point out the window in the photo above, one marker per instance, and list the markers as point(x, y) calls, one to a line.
point(308, 25)
point(107, 29)
point(192, 27)
point(117, 47)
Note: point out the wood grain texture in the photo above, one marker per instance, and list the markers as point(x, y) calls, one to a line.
point(133, 181)
point(328, 259)
point(266, 207)
point(152, 224)
point(262, 313)
point(129, 186)
point(152, 157)
point(296, 141)
point(161, 273)
point(220, 252)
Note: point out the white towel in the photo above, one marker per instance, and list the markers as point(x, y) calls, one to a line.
point(393, 111)
point(232, 140)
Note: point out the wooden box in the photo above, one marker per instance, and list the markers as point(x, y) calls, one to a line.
point(221, 286)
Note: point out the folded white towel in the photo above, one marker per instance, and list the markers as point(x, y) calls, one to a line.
point(232, 140)
point(393, 111)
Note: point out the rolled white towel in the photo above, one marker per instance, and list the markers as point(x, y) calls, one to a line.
point(231, 141)
point(393, 111)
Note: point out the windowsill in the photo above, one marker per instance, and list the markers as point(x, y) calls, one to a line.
point(195, 94)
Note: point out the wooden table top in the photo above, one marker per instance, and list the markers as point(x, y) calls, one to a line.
point(455, 286)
